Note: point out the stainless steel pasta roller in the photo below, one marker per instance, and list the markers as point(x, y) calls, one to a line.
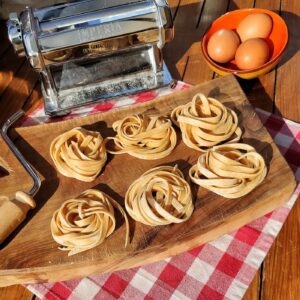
point(13, 211)
point(90, 50)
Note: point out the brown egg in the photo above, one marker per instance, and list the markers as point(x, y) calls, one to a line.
point(252, 54)
point(222, 45)
point(257, 25)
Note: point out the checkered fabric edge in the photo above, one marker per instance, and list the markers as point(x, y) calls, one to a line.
point(221, 269)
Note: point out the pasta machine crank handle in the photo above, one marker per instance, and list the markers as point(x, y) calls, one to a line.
point(14, 211)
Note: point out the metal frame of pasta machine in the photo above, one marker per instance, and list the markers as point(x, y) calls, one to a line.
point(91, 50)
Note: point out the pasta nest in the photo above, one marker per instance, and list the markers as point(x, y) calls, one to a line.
point(86, 221)
point(206, 122)
point(79, 154)
point(159, 197)
point(231, 170)
point(144, 137)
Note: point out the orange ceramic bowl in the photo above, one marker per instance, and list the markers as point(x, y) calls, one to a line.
point(277, 42)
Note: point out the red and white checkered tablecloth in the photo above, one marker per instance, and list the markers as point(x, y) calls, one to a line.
point(222, 269)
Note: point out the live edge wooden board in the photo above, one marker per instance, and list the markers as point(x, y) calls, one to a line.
point(31, 255)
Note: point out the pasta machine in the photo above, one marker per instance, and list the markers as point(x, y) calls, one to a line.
point(91, 50)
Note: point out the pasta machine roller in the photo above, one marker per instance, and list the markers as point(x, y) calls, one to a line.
point(91, 50)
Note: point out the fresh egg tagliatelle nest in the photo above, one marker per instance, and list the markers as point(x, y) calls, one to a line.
point(85, 222)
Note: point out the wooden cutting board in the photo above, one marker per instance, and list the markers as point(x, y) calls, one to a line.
point(31, 255)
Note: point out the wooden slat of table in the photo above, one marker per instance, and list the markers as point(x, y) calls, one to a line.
point(174, 6)
point(18, 91)
point(9, 67)
point(16, 292)
point(287, 87)
point(176, 52)
point(280, 272)
point(253, 291)
point(238, 4)
point(196, 69)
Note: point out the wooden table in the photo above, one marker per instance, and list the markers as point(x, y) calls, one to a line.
point(277, 92)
